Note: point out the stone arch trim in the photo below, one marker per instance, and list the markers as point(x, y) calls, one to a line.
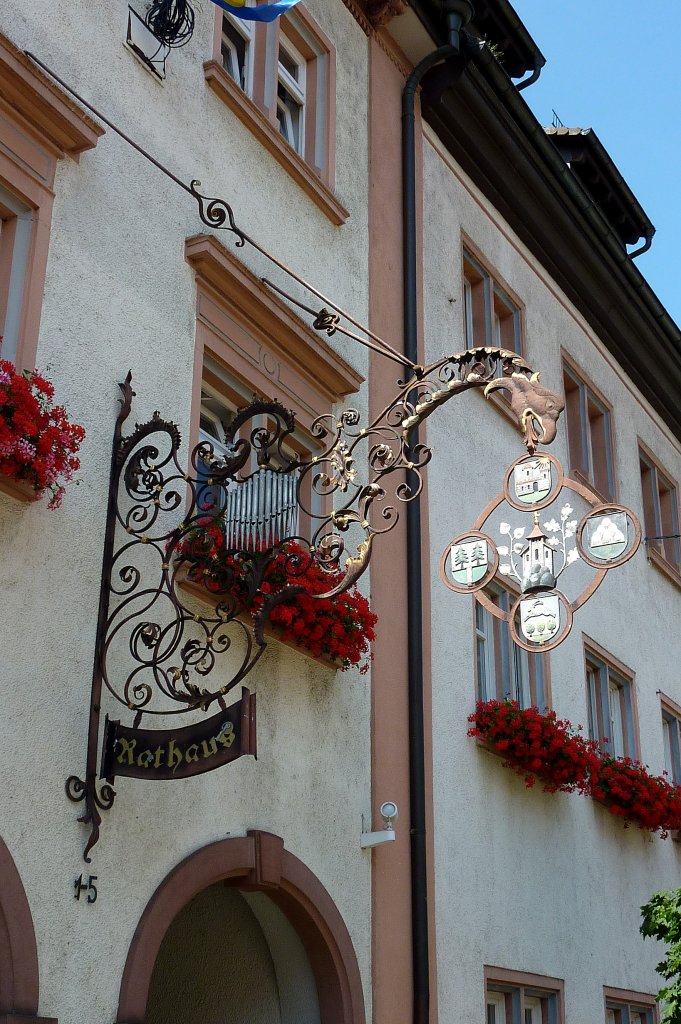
point(257, 861)
point(19, 978)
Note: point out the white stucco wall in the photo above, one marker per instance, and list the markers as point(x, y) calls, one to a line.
point(120, 296)
point(526, 881)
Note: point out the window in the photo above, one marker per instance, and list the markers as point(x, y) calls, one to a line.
point(660, 510)
point(16, 230)
point(623, 1014)
point(236, 318)
point(291, 96)
point(515, 998)
point(589, 428)
point(264, 508)
point(491, 316)
point(236, 50)
point(623, 1007)
point(611, 705)
point(39, 125)
point(279, 79)
point(671, 723)
point(504, 670)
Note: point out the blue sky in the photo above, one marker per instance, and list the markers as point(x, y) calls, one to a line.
point(611, 68)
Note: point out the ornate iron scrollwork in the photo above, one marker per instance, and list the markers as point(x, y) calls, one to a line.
point(217, 213)
point(155, 654)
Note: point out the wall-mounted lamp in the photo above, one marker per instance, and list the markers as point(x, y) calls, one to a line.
point(387, 835)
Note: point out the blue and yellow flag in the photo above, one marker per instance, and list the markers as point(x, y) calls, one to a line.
point(263, 12)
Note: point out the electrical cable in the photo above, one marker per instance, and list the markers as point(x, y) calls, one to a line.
point(171, 21)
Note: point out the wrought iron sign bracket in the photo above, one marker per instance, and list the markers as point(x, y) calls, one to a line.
point(361, 509)
point(154, 654)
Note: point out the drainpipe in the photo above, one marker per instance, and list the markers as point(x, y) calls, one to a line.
point(531, 79)
point(648, 241)
point(458, 13)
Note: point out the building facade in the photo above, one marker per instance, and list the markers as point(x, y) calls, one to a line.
point(243, 893)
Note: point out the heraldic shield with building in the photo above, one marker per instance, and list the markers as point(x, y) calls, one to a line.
point(570, 526)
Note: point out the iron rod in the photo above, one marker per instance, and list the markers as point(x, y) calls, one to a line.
point(235, 230)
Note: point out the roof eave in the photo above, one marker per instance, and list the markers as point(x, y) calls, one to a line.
point(490, 131)
point(611, 173)
point(528, 57)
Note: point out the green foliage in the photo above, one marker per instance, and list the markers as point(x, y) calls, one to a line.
point(662, 920)
point(495, 50)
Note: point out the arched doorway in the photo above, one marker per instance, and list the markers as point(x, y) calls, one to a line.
point(242, 928)
point(234, 951)
point(19, 982)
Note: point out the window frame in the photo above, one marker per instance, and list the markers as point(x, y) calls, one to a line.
point(313, 163)
point(624, 1001)
point(40, 126)
point(581, 453)
point(493, 290)
point(505, 654)
point(659, 551)
point(247, 31)
point(220, 386)
point(296, 90)
point(670, 713)
point(606, 670)
point(16, 243)
point(517, 986)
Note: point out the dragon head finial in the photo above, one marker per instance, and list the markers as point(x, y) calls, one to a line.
point(533, 405)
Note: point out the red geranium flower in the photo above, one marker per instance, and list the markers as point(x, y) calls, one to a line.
point(38, 443)
point(540, 746)
point(341, 628)
point(535, 744)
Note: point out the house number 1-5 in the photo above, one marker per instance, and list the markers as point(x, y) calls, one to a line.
point(88, 886)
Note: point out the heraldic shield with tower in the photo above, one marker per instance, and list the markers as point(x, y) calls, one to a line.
point(570, 526)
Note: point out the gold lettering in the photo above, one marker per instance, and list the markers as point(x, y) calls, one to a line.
point(126, 748)
point(145, 759)
point(174, 756)
point(158, 754)
point(192, 753)
point(213, 747)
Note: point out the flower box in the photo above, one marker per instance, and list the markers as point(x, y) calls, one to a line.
point(540, 746)
point(338, 629)
point(20, 490)
point(630, 792)
point(201, 594)
point(535, 745)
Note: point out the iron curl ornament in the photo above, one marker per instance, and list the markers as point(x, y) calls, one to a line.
point(155, 655)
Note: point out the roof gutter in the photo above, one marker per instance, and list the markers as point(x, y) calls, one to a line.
point(429, 13)
point(643, 248)
point(531, 79)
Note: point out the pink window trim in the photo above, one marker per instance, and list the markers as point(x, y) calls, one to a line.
point(39, 125)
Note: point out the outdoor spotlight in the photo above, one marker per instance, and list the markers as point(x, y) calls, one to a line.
point(388, 812)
